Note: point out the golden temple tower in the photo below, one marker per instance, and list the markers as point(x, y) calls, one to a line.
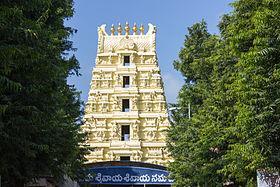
point(126, 115)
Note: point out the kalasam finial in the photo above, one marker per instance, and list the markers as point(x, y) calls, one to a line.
point(112, 29)
point(119, 29)
point(126, 28)
point(134, 28)
point(141, 29)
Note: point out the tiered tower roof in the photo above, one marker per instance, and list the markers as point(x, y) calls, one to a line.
point(126, 114)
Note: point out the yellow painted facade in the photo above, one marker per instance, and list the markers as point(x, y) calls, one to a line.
point(126, 115)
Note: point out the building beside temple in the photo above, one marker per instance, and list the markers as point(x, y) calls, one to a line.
point(126, 115)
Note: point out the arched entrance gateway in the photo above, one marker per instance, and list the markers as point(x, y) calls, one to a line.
point(116, 173)
point(125, 115)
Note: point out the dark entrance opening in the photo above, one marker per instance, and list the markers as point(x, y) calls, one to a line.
point(126, 60)
point(125, 105)
point(125, 81)
point(125, 158)
point(125, 133)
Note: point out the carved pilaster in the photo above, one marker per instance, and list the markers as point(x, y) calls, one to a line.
point(136, 129)
point(115, 131)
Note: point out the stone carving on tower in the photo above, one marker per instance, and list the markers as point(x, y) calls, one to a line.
point(125, 114)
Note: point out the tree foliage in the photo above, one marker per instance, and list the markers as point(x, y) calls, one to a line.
point(39, 112)
point(232, 85)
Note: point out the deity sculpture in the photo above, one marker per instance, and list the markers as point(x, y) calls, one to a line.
point(135, 128)
point(115, 131)
point(137, 156)
point(100, 135)
point(116, 104)
point(134, 103)
point(151, 135)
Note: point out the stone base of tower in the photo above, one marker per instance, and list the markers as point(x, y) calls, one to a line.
point(118, 174)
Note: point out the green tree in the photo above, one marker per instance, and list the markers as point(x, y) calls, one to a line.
point(39, 112)
point(232, 87)
point(198, 144)
point(255, 39)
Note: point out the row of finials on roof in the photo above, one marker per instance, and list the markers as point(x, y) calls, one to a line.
point(127, 28)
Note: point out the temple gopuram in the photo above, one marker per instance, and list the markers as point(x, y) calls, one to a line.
point(126, 116)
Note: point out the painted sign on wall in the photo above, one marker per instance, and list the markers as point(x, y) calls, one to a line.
point(127, 175)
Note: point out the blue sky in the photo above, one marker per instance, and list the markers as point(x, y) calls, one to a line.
point(172, 17)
